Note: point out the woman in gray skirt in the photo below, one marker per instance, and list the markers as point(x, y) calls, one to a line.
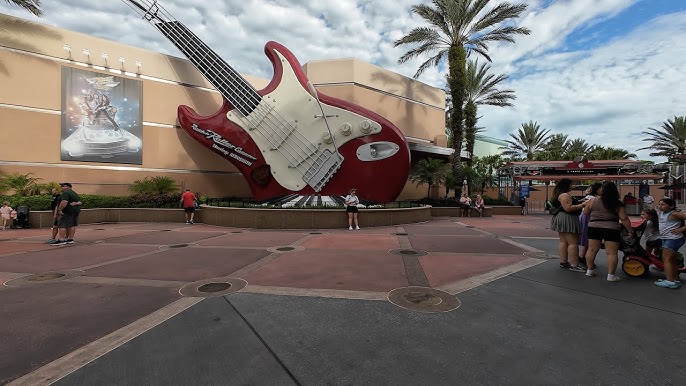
point(566, 224)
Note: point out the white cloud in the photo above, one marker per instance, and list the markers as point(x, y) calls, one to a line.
point(606, 94)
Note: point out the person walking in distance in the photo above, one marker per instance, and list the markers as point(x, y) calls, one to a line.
point(54, 203)
point(188, 205)
point(67, 214)
point(351, 202)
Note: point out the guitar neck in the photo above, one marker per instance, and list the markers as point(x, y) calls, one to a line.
point(233, 87)
point(224, 78)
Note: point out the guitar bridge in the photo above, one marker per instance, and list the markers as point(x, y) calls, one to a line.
point(323, 168)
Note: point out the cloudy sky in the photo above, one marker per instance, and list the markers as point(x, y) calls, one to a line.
point(601, 70)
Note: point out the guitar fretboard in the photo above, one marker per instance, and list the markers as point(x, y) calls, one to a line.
point(224, 78)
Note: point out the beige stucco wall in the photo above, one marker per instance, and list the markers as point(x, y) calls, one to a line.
point(31, 57)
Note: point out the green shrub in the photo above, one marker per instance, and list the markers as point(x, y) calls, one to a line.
point(158, 185)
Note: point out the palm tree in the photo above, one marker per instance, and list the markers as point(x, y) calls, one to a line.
point(481, 89)
point(669, 140)
point(578, 148)
point(21, 184)
point(612, 153)
point(555, 148)
point(428, 171)
point(529, 141)
point(32, 6)
point(458, 27)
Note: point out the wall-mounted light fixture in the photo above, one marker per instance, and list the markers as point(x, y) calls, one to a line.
point(122, 60)
point(67, 48)
point(87, 52)
point(104, 56)
point(138, 66)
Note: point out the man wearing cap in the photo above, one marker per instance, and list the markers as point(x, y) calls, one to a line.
point(67, 214)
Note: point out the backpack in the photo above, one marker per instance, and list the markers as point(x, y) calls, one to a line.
point(551, 208)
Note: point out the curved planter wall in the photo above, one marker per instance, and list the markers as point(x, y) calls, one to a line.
point(247, 217)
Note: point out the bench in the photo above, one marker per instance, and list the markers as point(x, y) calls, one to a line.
point(456, 211)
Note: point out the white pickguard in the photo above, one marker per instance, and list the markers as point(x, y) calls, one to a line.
point(290, 105)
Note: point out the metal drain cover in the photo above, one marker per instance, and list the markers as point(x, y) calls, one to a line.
point(408, 252)
point(282, 249)
point(178, 246)
point(43, 277)
point(423, 299)
point(400, 234)
point(213, 287)
point(315, 233)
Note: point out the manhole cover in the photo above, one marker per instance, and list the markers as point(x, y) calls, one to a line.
point(423, 299)
point(46, 276)
point(285, 248)
point(408, 252)
point(178, 246)
point(214, 287)
point(43, 277)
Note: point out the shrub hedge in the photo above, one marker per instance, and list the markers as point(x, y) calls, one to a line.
point(42, 202)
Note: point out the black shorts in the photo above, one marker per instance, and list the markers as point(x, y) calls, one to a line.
point(604, 234)
point(351, 209)
point(189, 209)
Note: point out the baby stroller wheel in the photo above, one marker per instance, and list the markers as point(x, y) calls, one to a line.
point(635, 268)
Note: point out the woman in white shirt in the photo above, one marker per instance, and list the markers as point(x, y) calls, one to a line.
point(351, 202)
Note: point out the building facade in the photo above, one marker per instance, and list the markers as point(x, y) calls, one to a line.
point(57, 86)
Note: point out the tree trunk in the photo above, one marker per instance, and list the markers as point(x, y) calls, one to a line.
point(470, 129)
point(457, 60)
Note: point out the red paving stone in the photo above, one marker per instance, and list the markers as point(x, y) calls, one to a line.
point(254, 239)
point(182, 264)
point(43, 322)
point(331, 269)
point(463, 244)
point(448, 229)
point(8, 247)
point(442, 268)
point(353, 241)
point(168, 238)
point(67, 257)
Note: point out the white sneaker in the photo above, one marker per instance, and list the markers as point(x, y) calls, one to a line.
point(350, 228)
point(357, 228)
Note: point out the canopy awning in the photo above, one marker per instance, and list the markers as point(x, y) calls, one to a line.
point(592, 177)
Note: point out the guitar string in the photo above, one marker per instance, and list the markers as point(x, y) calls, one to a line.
point(284, 140)
point(200, 56)
point(187, 36)
point(267, 118)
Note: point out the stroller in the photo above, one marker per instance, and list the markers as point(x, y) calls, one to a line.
point(22, 220)
point(636, 261)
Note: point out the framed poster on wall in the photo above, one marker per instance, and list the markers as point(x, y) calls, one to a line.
point(101, 118)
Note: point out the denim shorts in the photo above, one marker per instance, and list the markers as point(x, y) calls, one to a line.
point(673, 244)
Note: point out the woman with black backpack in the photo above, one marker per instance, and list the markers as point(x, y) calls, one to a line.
point(565, 222)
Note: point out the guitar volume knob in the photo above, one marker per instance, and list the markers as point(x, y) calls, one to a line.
point(346, 128)
point(326, 138)
point(366, 127)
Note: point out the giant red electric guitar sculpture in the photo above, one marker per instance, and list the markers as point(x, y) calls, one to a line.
point(288, 138)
